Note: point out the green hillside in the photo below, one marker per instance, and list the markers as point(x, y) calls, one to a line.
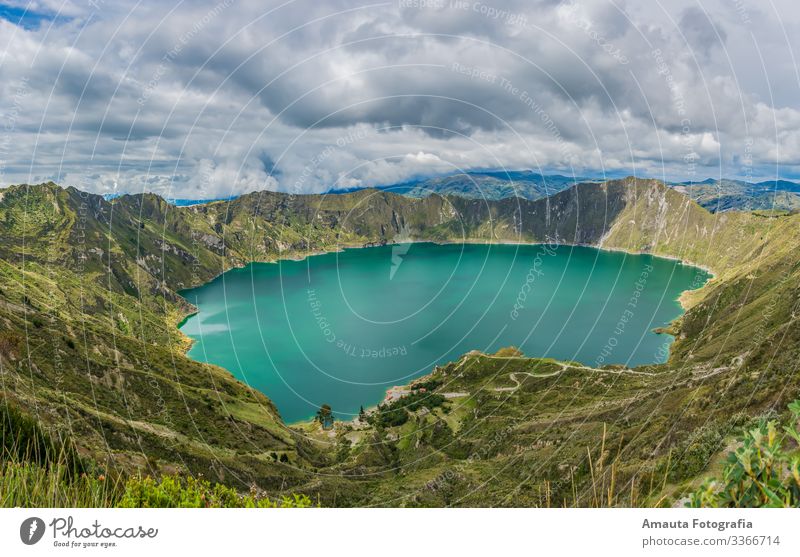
point(89, 346)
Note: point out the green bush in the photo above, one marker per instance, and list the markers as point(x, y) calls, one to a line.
point(172, 491)
point(763, 472)
point(389, 417)
point(427, 384)
point(396, 412)
point(693, 455)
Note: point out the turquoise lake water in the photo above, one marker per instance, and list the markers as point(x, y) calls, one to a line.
point(341, 328)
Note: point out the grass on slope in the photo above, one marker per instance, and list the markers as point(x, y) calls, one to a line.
point(38, 471)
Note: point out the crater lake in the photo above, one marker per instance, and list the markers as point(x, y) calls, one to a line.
point(341, 328)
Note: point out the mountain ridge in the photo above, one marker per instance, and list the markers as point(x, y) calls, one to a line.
point(716, 195)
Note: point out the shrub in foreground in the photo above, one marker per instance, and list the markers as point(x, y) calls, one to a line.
point(763, 472)
point(172, 491)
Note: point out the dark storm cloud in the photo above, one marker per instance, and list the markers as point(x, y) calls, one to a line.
point(223, 96)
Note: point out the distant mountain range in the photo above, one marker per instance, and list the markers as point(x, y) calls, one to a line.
point(177, 201)
point(712, 194)
point(738, 195)
point(485, 185)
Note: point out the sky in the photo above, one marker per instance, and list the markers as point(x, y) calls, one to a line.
point(196, 99)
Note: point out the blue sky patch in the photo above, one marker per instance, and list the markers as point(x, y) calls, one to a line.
point(25, 18)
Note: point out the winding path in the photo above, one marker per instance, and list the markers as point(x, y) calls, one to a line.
point(513, 377)
point(564, 367)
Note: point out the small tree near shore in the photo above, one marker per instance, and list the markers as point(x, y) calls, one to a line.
point(325, 416)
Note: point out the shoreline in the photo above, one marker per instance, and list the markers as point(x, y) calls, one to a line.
point(298, 257)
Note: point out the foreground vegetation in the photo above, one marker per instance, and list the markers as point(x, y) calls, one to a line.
point(36, 471)
point(764, 471)
point(28, 485)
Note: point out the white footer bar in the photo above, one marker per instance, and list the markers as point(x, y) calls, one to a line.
point(399, 532)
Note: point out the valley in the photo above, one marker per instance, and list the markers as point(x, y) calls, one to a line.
point(89, 305)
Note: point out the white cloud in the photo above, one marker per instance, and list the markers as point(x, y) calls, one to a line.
point(219, 97)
